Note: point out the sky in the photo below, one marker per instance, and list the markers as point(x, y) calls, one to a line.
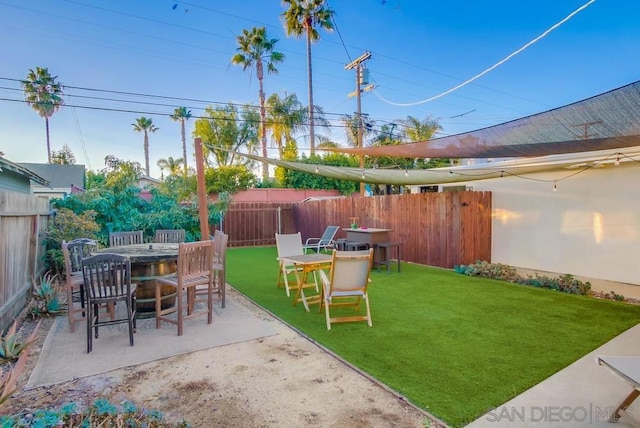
point(174, 53)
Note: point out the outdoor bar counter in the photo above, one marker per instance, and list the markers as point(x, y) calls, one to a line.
point(148, 263)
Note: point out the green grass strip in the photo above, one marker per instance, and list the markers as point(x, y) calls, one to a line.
point(454, 345)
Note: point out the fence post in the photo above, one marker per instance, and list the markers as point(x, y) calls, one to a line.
point(279, 217)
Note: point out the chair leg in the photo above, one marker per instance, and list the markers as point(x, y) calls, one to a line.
point(326, 313)
point(130, 316)
point(366, 302)
point(210, 302)
point(96, 315)
point(180, 310)
point(89, 328)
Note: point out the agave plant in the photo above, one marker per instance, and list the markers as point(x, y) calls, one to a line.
point(10, 344)
point(49, 299)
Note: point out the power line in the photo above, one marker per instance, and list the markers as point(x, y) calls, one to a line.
point(507, 58)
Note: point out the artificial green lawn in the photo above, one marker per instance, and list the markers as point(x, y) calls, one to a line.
point(454, 345)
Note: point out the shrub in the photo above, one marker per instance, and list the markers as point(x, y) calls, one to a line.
point(100, 413)
point(565, 283)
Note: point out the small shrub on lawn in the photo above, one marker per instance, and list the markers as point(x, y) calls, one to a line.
point(565, 283)
point(100, 413)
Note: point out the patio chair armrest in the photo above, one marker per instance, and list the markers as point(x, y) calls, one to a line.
point(310, 241)
point(324, 279)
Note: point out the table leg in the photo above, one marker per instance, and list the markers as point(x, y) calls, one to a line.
point(623, 406)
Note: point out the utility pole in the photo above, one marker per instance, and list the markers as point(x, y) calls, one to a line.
point(357, 64)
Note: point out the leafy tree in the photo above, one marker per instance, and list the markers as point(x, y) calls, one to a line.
point(119, 174)
point(305, 17)
point(44, 94)
point(303, 180)
point(225, 129)
point(67, 225)
point(229, 178)
point(182, 114)
point(170, 164)
point(255, 48)
point(64, 156)
point(145, 125)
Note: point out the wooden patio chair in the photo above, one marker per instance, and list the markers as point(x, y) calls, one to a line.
point(117, 239)
point(289, 245)
point(107, 280)
point(73, 253)
point(170, 236)
point(195, 268)
point(324, 242)
point(347, 284)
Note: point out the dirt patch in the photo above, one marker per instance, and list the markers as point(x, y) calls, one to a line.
point(279, 381)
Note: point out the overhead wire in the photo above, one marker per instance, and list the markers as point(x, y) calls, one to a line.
point(502, 61)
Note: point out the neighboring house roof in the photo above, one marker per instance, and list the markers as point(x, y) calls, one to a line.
point(607, 121)
point(22, 170)
point(59, 176)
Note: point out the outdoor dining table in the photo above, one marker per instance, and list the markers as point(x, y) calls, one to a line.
point(148, 263)
point(371, 236)
point(304, 265)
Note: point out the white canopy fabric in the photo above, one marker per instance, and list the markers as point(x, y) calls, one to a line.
point(571, 163)
point(607, 121)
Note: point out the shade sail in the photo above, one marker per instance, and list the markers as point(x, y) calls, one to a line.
point(607, 121)
point(570, 163)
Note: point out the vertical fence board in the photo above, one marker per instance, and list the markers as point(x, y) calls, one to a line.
point(23, 222)
point(439, 229)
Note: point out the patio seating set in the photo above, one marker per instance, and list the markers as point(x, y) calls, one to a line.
point(178, 278)
point(348, 265)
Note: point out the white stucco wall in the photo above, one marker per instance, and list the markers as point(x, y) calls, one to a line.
point(589, 227)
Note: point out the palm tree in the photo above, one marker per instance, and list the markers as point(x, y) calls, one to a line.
point(286, 117)
point(170, 164)
point(254, 47)
point(181, 114)
point(44, 94)
point(420, 130)
point(145, 125)
point(306, 17)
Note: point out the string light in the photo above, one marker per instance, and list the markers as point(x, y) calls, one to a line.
point(555, 187)
point(363, 174)
point(317, 169)
point(617, 162)
point(406, 172)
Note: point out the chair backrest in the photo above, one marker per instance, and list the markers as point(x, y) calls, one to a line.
point(107, 276)
point(350, 270)
point(195, 259)
point(74, 251)
point(289, 244)
point(170, 236)
point(220, 247)
point(329, 233)
point(117, 239)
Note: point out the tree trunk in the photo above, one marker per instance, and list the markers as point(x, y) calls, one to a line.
point(312, 137)
point(46, 124)
point(263, 113)
point(146, 152)
point(184, 147)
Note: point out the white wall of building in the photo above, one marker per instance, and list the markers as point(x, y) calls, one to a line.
point(590, 226)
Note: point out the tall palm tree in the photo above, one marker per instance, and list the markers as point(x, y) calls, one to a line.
point(181, 114)
point(44, 94)
point(255, 48)
point(170, 164)
point(420, 130)
point(306, 17)
point(145, 125)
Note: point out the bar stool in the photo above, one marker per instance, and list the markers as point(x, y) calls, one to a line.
point(341, 244)
point(388, 247)
point(355, 246)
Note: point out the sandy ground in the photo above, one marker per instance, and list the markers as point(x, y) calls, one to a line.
point(279, 381)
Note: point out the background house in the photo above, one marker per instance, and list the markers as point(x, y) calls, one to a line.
point(62, 180)
point(17, 178)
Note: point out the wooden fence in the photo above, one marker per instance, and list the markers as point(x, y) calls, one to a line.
point(438, 229)
point(256, 223)
point(23, 223)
